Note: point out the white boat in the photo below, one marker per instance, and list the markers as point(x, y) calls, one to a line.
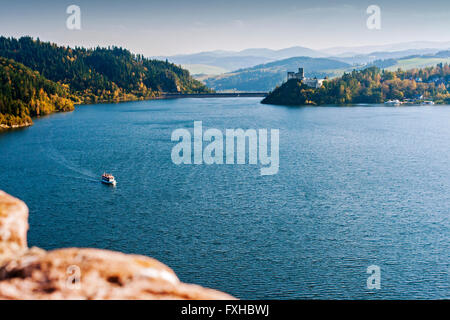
point(108, 179)
point(395, 102)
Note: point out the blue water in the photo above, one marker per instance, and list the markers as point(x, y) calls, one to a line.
point(357, 186)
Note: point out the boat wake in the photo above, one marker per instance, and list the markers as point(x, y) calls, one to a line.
point(74, 177)
point(59, 158)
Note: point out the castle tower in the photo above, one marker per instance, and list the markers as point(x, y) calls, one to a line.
point(301, 74)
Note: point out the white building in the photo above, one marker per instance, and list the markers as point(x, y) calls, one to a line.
point(313, 83)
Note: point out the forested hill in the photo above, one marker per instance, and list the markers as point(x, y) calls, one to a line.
point(370, 85)
point(265, 77)
point(24, 93)
point(101, 74)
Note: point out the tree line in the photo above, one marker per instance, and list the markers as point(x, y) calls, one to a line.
point(24, 93)
point(80, 75)
point(370, 85)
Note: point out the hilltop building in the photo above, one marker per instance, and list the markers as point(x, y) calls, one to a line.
point(300, 76)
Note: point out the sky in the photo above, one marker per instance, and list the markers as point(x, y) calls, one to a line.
point(168, 27)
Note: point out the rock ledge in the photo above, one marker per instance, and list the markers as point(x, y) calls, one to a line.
point(74, 273)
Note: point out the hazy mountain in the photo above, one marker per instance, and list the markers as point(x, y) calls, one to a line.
point(260, 52)
point(352, 51)
point(233, 60)
point(283, 53)
point(443, 54)
point(225, 62)
point(220, 61)
point(383, 55)
point(265, 77)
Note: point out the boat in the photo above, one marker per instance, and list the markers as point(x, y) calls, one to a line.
point(395, 102)
point(108, 178)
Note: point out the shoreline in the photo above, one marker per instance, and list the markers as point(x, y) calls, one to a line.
point(4, 127)
point(358, 105)
point(162, 96)
point(168, 96)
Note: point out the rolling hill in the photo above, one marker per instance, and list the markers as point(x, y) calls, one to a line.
point(391, 47)
point(265, 77)
point(41, 77)
point(384, 55)
point(417, 62)
point(100, 74)
point(208, 62)
point(412, 61)
point(211, 62)
point(220, 61)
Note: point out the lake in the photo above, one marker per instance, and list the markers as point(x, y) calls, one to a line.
point(356, 186)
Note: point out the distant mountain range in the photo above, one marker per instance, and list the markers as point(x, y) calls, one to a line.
point(383, 55)
point(414, 45)
point(283, 53)
point(265, 77)
point(218, 62)
point(230, 60)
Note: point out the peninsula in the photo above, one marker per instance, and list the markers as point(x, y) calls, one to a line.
point(370, 85)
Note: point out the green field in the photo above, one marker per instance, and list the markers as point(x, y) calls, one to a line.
point(406, 64)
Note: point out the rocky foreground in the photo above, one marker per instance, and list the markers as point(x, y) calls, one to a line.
point(33, 273)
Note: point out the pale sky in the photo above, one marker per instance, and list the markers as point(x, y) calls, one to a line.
point(167, 27)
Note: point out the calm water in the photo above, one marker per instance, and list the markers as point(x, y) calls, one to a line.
point(357, 186)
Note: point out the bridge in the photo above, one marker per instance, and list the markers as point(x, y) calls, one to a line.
point(213, 95)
